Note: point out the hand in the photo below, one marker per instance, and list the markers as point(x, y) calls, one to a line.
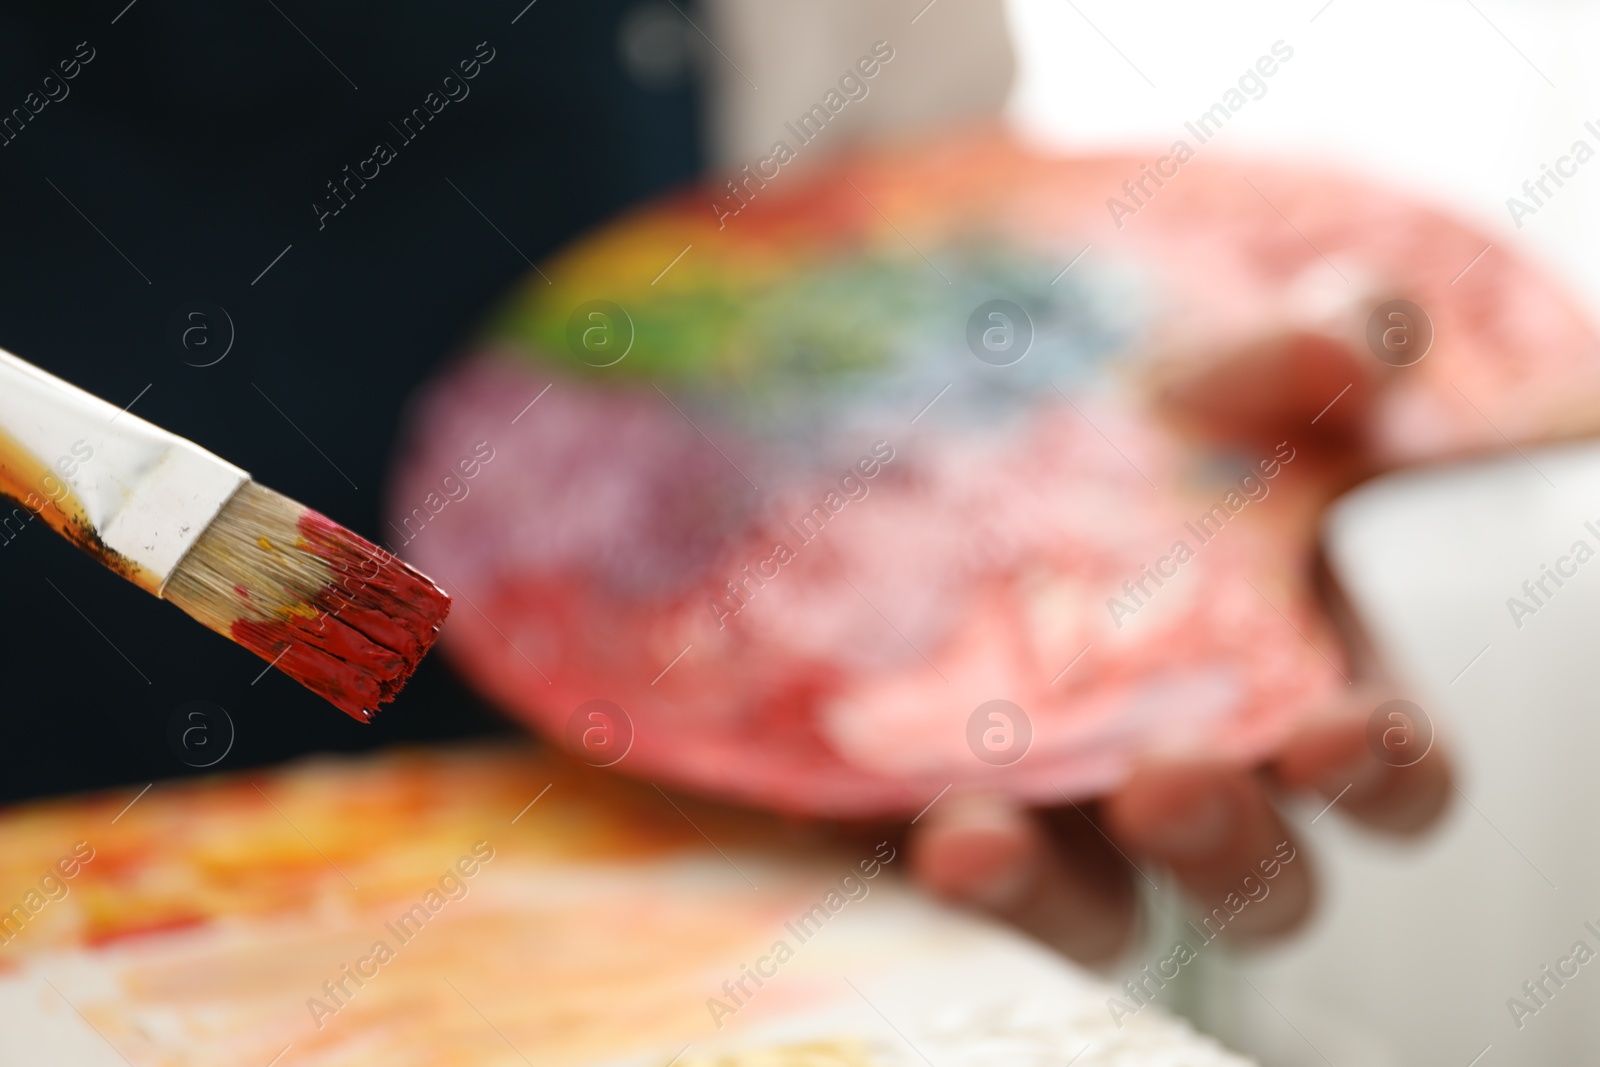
point(1067, 875)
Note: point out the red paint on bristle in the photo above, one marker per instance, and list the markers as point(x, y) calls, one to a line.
point(364, 634)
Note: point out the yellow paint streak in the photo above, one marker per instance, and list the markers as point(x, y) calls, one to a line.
point(836, 1053)
point(26, 479)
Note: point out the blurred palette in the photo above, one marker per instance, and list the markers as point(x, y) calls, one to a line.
point(477, 908)
point(921, 470)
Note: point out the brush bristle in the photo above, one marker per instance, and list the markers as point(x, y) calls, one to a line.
point(346, 619)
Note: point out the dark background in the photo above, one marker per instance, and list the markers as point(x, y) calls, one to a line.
point(195, 141)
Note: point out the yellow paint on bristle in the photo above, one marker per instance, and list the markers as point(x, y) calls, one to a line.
point(264, 543)
point(300, 609)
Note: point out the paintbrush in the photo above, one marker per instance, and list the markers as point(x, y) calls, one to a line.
point(345, 618)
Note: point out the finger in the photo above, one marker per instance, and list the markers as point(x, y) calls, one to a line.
point(1065, 887)
point(1280, 381)
point(1394, 787)
point(1376, 784)
point(1214, 828)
